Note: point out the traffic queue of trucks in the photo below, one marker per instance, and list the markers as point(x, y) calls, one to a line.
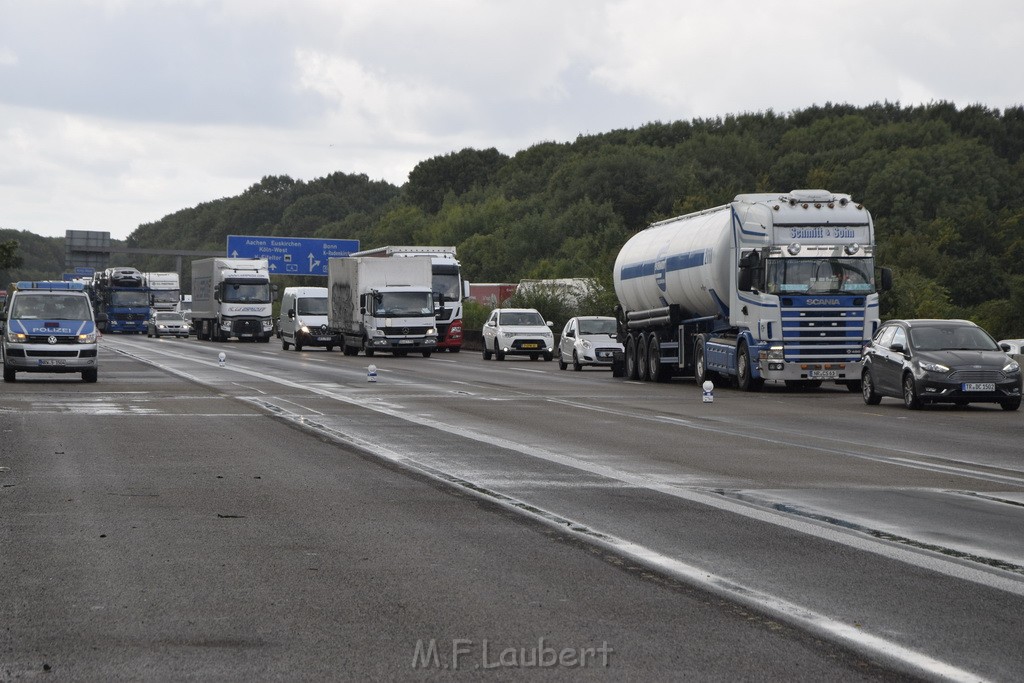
point(767, 287)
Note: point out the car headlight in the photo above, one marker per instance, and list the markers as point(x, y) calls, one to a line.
point(1012, 367)
point(932, 367)
point(585, 343)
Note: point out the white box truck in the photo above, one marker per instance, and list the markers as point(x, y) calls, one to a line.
point(447, 285)
point(232, 298)
point(382, 304)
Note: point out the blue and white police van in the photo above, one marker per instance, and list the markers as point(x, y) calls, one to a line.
point(48, 327)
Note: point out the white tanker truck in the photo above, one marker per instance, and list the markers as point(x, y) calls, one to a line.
point(767, 287)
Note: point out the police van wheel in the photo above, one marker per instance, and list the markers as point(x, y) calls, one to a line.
point(90, 375)
point(9, 375)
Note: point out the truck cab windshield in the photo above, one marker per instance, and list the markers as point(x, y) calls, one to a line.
point(246, 293)
point(447, 286)
point(403, 304)
point(129, 297)
point(819, 276)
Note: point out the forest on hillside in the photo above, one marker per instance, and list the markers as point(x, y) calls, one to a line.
point(945, 186)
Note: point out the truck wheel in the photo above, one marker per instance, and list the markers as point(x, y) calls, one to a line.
point(744, 375)
point(642, 368)
point(631, 369)
point(298, 344)
point(90, 375)
point(700, 367)
point(657, 371)
point(284, 344)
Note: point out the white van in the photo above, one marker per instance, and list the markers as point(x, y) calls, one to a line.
point(304, 319)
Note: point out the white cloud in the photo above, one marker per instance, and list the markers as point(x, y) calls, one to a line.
point(124, 111)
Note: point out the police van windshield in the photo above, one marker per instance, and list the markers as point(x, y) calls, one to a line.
point(50, 307)
point(819, 276)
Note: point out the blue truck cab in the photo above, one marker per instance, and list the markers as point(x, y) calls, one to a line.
point(48, 327)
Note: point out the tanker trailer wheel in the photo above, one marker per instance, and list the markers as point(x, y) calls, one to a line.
point(642, 368)
point(631, 370)
point(655, 370)
point(744, 375)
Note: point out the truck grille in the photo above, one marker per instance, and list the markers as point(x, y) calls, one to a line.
point(405, 331)
point(247, 327)
point(816, 335)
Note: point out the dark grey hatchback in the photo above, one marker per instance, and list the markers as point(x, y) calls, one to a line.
point(939, 361)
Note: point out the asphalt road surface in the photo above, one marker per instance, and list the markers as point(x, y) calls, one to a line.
point(279, 516)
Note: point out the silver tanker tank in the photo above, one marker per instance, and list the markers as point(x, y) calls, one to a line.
point(685, 261)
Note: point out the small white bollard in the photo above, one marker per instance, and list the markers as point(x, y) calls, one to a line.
point(221, 358)
point(709, 391)
point(371, 373)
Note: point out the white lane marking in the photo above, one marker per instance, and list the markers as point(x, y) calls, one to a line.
point(653, 483)
point(961, 469)
point(807, 619)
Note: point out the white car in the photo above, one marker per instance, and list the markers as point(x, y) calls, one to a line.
point(518, 332)
point(1015, 345)
point(588, 340)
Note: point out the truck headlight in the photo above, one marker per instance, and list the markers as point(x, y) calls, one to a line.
point(268, 325)
point(432, 332)
point(776, 353)
point(304, 330)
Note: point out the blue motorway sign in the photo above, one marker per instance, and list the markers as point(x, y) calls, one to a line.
point(291, 255)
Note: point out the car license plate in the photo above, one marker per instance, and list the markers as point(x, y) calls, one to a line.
point(824, 374)
point(978, 386)
point(53, 361)
point(531, 346)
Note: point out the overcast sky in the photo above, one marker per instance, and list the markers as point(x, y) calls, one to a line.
point(115, 113)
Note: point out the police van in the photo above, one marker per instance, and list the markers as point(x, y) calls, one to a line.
point(48, 327)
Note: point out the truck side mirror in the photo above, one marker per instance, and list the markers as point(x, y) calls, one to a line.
point(748, 263)
point(886, 280)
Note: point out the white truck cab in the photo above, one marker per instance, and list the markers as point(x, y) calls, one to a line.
point(49, 327)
